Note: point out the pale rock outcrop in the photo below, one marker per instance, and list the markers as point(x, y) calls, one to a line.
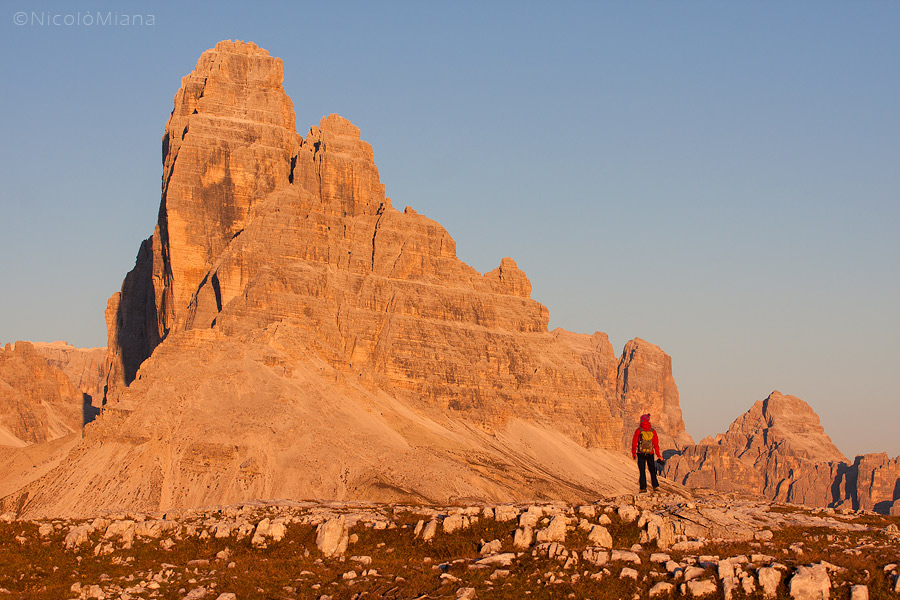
point(455, 522)
point(531, 516)
point(628, 512)
point(429, 530)
point(554, 532)
point(859, 592)
point(600, 536)
point(701, 588)
point(275, 530)
point(595, 556)
point(505, 512)
point(810, 583)
point(523, 538)
point(625, 556)
point(78, 536)
point(332, 537)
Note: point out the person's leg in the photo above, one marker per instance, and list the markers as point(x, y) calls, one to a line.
point(642, 479)
point(651, 465)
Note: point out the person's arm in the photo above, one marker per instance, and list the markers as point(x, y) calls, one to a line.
point(634, 443)
point(656, 445)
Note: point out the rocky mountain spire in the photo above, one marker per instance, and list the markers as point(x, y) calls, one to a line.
point(286, 332)
point(230, 140)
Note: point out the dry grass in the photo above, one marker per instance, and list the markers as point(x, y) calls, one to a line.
point(403, 568)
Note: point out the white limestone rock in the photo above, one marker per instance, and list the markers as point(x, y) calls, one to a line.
point(523, 538)
point(333, 537)
point(810, 583)
point(859, 592)
point(600, 536)
point(700, 588)
point(505, 512)
point(625, 556)
point(769, 579)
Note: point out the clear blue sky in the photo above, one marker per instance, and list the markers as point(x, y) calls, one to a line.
point(719, 178)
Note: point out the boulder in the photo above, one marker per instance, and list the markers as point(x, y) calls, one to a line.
point(555, 532)
point(78, 536)
point(810, 583)
point(523, 538)
point(859, 592)
point(701, 588)
point(429, 530)
point(600, 536)
point(769, 579)
point(332, 537)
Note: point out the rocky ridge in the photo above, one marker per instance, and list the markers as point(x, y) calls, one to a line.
point(779, 451)
point(652, 546)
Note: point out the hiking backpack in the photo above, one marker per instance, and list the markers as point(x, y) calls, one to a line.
point(645, 443)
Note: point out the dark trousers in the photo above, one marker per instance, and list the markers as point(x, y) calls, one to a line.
point(647, 460)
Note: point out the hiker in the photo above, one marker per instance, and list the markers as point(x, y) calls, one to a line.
point(644, 445)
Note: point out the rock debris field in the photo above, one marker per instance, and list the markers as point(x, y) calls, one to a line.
point(648, 546)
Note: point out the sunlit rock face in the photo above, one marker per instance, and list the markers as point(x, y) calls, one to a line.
point(779, 450)
point(286, 332)
point(38, 401)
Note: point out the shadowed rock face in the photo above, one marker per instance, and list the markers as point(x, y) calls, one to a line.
point(876, 481)
point(287, 333)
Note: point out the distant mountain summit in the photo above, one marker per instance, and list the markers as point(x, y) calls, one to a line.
point(287, 333)
point(779, 450)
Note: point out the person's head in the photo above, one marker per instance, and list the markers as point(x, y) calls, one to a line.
point(645, 421)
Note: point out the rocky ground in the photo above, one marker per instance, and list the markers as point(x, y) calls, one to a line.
point(648, 546)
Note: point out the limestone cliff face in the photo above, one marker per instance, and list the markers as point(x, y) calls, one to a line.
point(779, 450)
point(38, 402)
point(84, 366)
point(644, 384)
point(638, 382)
point(228, 143)
point(286, 332)
point(872, 482)
point(260, 228)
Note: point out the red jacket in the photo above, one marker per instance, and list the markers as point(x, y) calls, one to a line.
point(645, 425)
